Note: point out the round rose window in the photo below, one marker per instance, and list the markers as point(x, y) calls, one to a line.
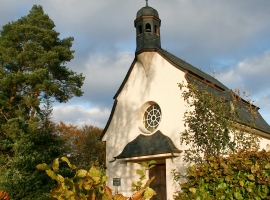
point(152, 117)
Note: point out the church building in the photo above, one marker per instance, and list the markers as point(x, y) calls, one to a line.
point(147, 116)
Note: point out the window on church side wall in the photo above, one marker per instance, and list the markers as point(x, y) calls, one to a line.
point(147, 27)
point(152, 117)
point(156, 30)
point(140, 30)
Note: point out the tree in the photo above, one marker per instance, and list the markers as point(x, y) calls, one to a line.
point(33, 142)
point(214, 124)
point(83, 146)
point(32, 74)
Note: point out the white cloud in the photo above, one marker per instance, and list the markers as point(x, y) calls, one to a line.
point(80, 115)
point(250, 74)
point(209, 34)
point(104, 75)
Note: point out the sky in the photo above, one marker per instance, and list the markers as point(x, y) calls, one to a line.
point(228, 39)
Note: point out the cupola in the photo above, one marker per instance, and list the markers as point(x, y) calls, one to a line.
point(147, 24)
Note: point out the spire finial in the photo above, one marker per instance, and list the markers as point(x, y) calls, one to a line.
point(146, 3)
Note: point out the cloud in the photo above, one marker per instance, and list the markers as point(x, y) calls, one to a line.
point(80, 115)
point(104, 75)
point(250, 74)
point(230, 37)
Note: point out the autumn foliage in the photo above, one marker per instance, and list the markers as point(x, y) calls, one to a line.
point(90, 184)
point(82, 145)
point(4, 195)
point(244, 175)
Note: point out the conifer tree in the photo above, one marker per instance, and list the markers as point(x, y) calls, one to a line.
point(32, 71)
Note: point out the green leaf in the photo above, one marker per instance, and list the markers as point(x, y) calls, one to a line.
point(55, 164)
point(68, 182)
point(65, 159)
point(144, 164)
point(193, 190)
point(251, 177)
point(241, 183)
point(148, 193)
point(95, 174)
point(51, 174)
point(60, 178)
point(81, 173)
point(43, 166)
point(238, 196)
point(139, 171)
point(152, 162)
point(222, 186)
point(267, 166)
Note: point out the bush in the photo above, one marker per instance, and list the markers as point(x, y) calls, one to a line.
point(91, 184)
point(244, 175)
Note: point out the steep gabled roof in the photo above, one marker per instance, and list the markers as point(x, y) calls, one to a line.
point(246, 117)
point(196, 76)
point(191, 69)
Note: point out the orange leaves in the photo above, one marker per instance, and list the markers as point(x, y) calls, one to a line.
point(77, 143)
point(4, 195)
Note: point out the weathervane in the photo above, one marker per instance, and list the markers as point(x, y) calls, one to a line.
point(146, 3)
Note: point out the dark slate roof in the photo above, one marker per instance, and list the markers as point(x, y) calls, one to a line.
point(147, 11)
point(144, 145)
point(245, 116)
point(193, 70)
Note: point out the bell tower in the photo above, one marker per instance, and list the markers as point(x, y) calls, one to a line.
point(147, 24)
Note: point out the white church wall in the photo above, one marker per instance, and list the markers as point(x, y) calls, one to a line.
point(171, 184)
point(146, 84)
point(124, 127)
point(264, 144)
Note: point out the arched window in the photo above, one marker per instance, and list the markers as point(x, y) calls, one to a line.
point(139, 30)
point(147, 27)
point(156, 30)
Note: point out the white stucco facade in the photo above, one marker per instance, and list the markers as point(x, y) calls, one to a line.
point(153, 79)
point(159, 85)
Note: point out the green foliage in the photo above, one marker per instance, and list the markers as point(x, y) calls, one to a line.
point(142, 173)
point(19, 178)
point(32, 72)
point(33, 142)
point(245, 175)
point(88, 184)
point(211, 123)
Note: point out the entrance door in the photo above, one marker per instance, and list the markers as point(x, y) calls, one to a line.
point(159, 183)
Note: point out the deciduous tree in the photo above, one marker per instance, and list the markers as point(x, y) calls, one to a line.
point(213, 123)
point(83, 146)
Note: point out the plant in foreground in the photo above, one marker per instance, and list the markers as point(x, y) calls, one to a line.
point(90, 184)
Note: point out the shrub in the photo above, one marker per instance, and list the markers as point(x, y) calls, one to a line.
point(244, 175)
point(91, 184)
